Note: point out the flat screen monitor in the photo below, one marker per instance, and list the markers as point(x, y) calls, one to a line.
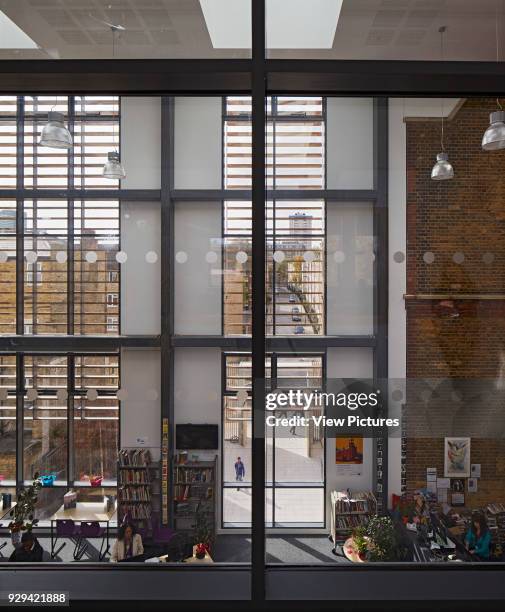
point(196, 437)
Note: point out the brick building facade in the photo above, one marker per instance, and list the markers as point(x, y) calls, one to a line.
point(458, 344)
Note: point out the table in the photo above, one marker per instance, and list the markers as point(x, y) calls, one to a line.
point(350, 552)
point(84, 512)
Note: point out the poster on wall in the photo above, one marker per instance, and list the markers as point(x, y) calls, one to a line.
point(349, 455)
point(457, 457)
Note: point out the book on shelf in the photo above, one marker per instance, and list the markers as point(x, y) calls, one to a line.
point(134, 457)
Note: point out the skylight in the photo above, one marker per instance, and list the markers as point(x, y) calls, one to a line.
point(12, 36)
point(290, 24)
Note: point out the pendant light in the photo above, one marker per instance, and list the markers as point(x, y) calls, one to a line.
point(494, 136)
point(442, 170)
point(112, 168)
point(55, 134)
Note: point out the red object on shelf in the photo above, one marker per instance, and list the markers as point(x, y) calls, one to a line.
point(96, 481)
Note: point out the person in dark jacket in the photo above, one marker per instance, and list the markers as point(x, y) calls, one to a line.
point(239, 471)
point(30, 550)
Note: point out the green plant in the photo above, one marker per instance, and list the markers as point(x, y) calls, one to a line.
point(360, 539)
point(383, 541)
point(23, 513)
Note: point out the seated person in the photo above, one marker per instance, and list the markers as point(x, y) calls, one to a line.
point(29, 551)
point(478, 537)
point(127, 545)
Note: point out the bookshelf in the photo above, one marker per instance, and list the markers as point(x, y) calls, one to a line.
point(495, 515)
point(350, 510)
point(194, 488)
point(138, 486)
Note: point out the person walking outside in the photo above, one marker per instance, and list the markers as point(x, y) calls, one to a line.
point(239, 471)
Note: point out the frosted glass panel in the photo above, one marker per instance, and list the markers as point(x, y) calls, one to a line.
point(198, 143)
point(141, 142)
point(350, 132)
point(198, 275)
point(350, 263)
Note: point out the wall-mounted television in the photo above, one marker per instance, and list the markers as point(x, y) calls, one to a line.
point(196, 437)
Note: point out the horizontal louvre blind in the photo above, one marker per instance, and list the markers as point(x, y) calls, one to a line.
point(7, 266)
point(8, 136)
point(8, 419)
point(45, 280)
point(45, 416)
point(96, 416)
point(96, 282)
point(295, 147)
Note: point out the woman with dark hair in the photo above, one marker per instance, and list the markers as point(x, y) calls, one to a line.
point(128, 544)
point(478, 537)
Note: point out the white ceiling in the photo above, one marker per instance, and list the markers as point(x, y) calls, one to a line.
point(367, 29)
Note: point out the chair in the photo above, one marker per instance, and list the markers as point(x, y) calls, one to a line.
point(64, 529)
point(90, 529)
point(161, 535)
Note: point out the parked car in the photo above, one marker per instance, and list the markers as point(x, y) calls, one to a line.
point(299, 329)
point(292, 298)
point(295, 310)
point(296, 318)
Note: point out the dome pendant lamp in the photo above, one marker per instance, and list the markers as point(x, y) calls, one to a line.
point(113, 168)
point(55, 134)
point(442, 170)
point(494, 136)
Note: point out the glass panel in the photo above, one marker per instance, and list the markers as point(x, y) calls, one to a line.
point(7, 266)
point(96, 418)
point(96, 270)
point(7, 420)
point(45, 418)
point(350, 268)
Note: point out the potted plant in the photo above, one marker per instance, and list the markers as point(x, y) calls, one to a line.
point(23, 513)
point(203, 533)
point(360, 540)
point(383, 545)
point(201, 550)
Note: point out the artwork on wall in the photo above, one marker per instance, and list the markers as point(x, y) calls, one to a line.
point(472, 485)
point(475, 470)
point(349, 451)
point(457, 457)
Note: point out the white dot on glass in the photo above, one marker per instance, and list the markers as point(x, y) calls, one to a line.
point(279, 256)
point(397, 395)
point(399, 257)
point(429, 257)
point(3, 395)
point(339, 256)
point(127, 215)
point(152, 395)
point(3, 257)
point(151, 257)
point(92, 395)
point(309, 256)
point(121, 257)
point(91, 257)
point(62, 395)
point(181, 257)
point(31, 395)
point(61, 257)
point(458, 258)
point(488, 258)
point(122, 394)
point(31, 257)
point(241, 257)
point(211, 257)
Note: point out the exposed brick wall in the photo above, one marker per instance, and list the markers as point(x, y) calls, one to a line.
point(466, 214)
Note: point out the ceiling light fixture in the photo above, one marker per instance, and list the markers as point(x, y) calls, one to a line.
point(55, 134)
point(442, 170)
point(494, 136)
point(113, 168)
